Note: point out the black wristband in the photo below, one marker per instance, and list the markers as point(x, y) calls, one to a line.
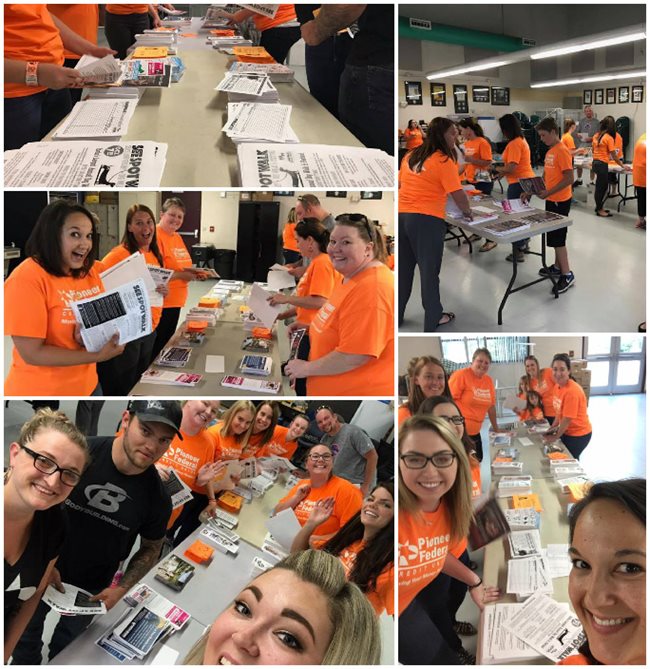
point(471, 587)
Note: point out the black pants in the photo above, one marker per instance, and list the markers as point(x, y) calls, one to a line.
point(513, 193)
point(575, 445)
point(602, 183)
point(87, 416)
point(165, 330)
point(421, 243)
point(640, 200)
point(484, 186)
point(478, 445)
point(188, 520)
point(324, 66)
point(304, 347)
point(121, 30)
point(75, 93)
point(278, 41)
point(118, 375)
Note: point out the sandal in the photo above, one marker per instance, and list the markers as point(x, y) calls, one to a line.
point(472, 238)
point(605, 215)
point(464, 628)
point(488, 246)
point(447, 317)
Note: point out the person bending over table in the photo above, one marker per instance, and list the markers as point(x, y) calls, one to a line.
point(301, 611)
point(123, 22)
point(604, 154)
point(351, 337)
point(48, 357)
point(427, 175)
point(543, 382)
point(639, 179)
point(264, 423)
point(473, 390)
point(284, 441)
point(364, 544)
point(434, 518)
point(118, 375)
point(232, 432)
point(607, 547)
point(322, 484)
point(34, 520)
point(426, 378)
point(558, 178)
point(571, 424)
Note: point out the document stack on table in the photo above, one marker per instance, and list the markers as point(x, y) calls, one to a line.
point(277, 72)
point(249, 87)
point(257, 122)
point(528, 575)
point(514, 485)
point(97, 119)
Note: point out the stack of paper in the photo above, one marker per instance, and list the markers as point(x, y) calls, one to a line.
point(249, 88)
point(503, 228)
point(227, 41)
point(523, 519)
point(92, 119)
point(255, 122)
point(176, 21)
point(86, 165)
point(558, 558)
point(527, 576)
point(146, 72)
point(573, 480)
point(498, 645)
point(277, 72)
point(164, 38)
point(252, 385)
point(525, 543)
point(171, 378)
point(566, 471)
point(500, 468)
point(288, 167)
point(214, 18)
point(514, 485)
point(95, 70)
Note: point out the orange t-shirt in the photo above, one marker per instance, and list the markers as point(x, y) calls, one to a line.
point(557, 160)
point(289, 237)
point(423, 540)
point(382, 596)
point(518, 151)
point(37, 305)
point(618, 145)
point(425, 192)
point(226, 446)
point(603, 149)
point(253, 446)
point(127, 9)
point(285, 14)
point(476, 148)
point(82, 19)
point(30, 35)
point(527, 414)
point(638, 163)
point(475, 471)
point(279, 444)
point(176, 257)
point(567, 140)
point(119, 253)
point(357, 319)
point(569, 401)
point(546, 388)
point(403, 413)
point(473, 395)
point(319, 280)
point(390, 262)
point(575, 659)
point(413, 138)
point(347, 501)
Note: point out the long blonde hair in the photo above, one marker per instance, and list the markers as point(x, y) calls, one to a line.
point(228, 417)
point(416, 396)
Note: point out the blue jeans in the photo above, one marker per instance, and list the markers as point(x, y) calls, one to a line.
point(30, 118)
point(366, 105)
point(513, 193)
point(421, 243)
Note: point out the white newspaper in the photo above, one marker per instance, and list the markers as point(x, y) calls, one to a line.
point(74, 601)
point(265, 10)
point(85, 165)
point(498, 645)
point(259, 304)
point(314, 166)
point(124, 311)
point(525, 543)
point(95, 70)
point(161, 277)
point(548, 627)
point(250, 84)
point(97, 118)
point(559, 562)
point(131, 268)
point(528, 575)
point(252, 120)
point(279, 279)
point(284, 526)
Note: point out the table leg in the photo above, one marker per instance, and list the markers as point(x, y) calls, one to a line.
point(510, 284)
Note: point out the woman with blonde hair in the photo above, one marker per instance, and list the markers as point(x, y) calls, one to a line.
point(290, 249)
point(45, 463)
point(426, 378)
point(232, 432)
point(313, 614)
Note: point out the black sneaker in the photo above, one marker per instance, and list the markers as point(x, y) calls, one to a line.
point(466, 657)
point(519, 256)
point(564, 283)
point(552, 270)
point(577, 182)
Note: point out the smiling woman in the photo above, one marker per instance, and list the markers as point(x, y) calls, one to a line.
point(426, 378)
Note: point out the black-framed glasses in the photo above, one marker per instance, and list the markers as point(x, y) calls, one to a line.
point(456, 420)
point(315, 457)
point(419, 461)
point(48, 466)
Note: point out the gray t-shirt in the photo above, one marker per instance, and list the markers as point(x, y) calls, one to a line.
point(588, 125)
point(349, 446)
point(327, 222)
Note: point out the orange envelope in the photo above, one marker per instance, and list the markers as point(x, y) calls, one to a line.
point(151, 52)
point(526, 502)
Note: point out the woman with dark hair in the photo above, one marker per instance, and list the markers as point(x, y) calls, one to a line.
point(264, 424)
point(607, 547)
point(427, 175)
point(478, 153)
point(118, 375)
point(542, 381)
point(413, 135)
point(48, 358)
point(571, 424)
point(516, 165)
point(426, 378)
point(604, 154)
point(364, 544)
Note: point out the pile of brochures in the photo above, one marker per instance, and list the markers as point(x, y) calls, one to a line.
point(257, 122)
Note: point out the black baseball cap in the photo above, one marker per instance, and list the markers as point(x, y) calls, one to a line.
point(168, 412)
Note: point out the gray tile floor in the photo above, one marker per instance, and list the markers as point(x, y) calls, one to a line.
point(607, 256)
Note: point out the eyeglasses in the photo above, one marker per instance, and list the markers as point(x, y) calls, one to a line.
point(48, 466)
point(356, 218)
point(326, 407)
point(456, 420)
point(315, 457)
point(438, 460)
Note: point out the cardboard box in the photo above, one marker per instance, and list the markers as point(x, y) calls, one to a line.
point(263, 196)
point(578, 363)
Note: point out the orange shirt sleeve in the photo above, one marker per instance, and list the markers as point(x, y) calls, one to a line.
point(348, 500)
point(82, 18)
point(557, 161)
point(114, 256)
point(289, 237)
point(567, 140)
point(403, 413)
point(382, 597)
point(639, 163)
point(176, 257)
point(574, 406)
point(323, 277)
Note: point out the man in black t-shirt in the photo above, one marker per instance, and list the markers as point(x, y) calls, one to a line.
point(119, 498)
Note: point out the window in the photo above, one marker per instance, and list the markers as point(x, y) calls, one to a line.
point(459, 350)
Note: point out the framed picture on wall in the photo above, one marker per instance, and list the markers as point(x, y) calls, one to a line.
point(480, 94)
point(438, 95)
point(413, 92)
point(637, 93)
point(586, 97)
point(500, 95)
point(610, 96)
point(623, 95)
point(283, 193)
point(371, 194)
point(336, 193)
point(598, 96)
point(461, 102)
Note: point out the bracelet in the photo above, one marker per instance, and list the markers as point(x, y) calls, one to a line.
point(211, 500)
point(471, 587)
point(31, 73)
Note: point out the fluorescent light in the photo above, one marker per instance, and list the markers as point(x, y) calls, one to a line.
point(586, 80)
point(585, 46)
point(470, 68)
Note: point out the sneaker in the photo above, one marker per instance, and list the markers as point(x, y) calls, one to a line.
point(564, 283)
point(577, 182)
point(519, 256)
point(552, 270)
point(466, 657)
